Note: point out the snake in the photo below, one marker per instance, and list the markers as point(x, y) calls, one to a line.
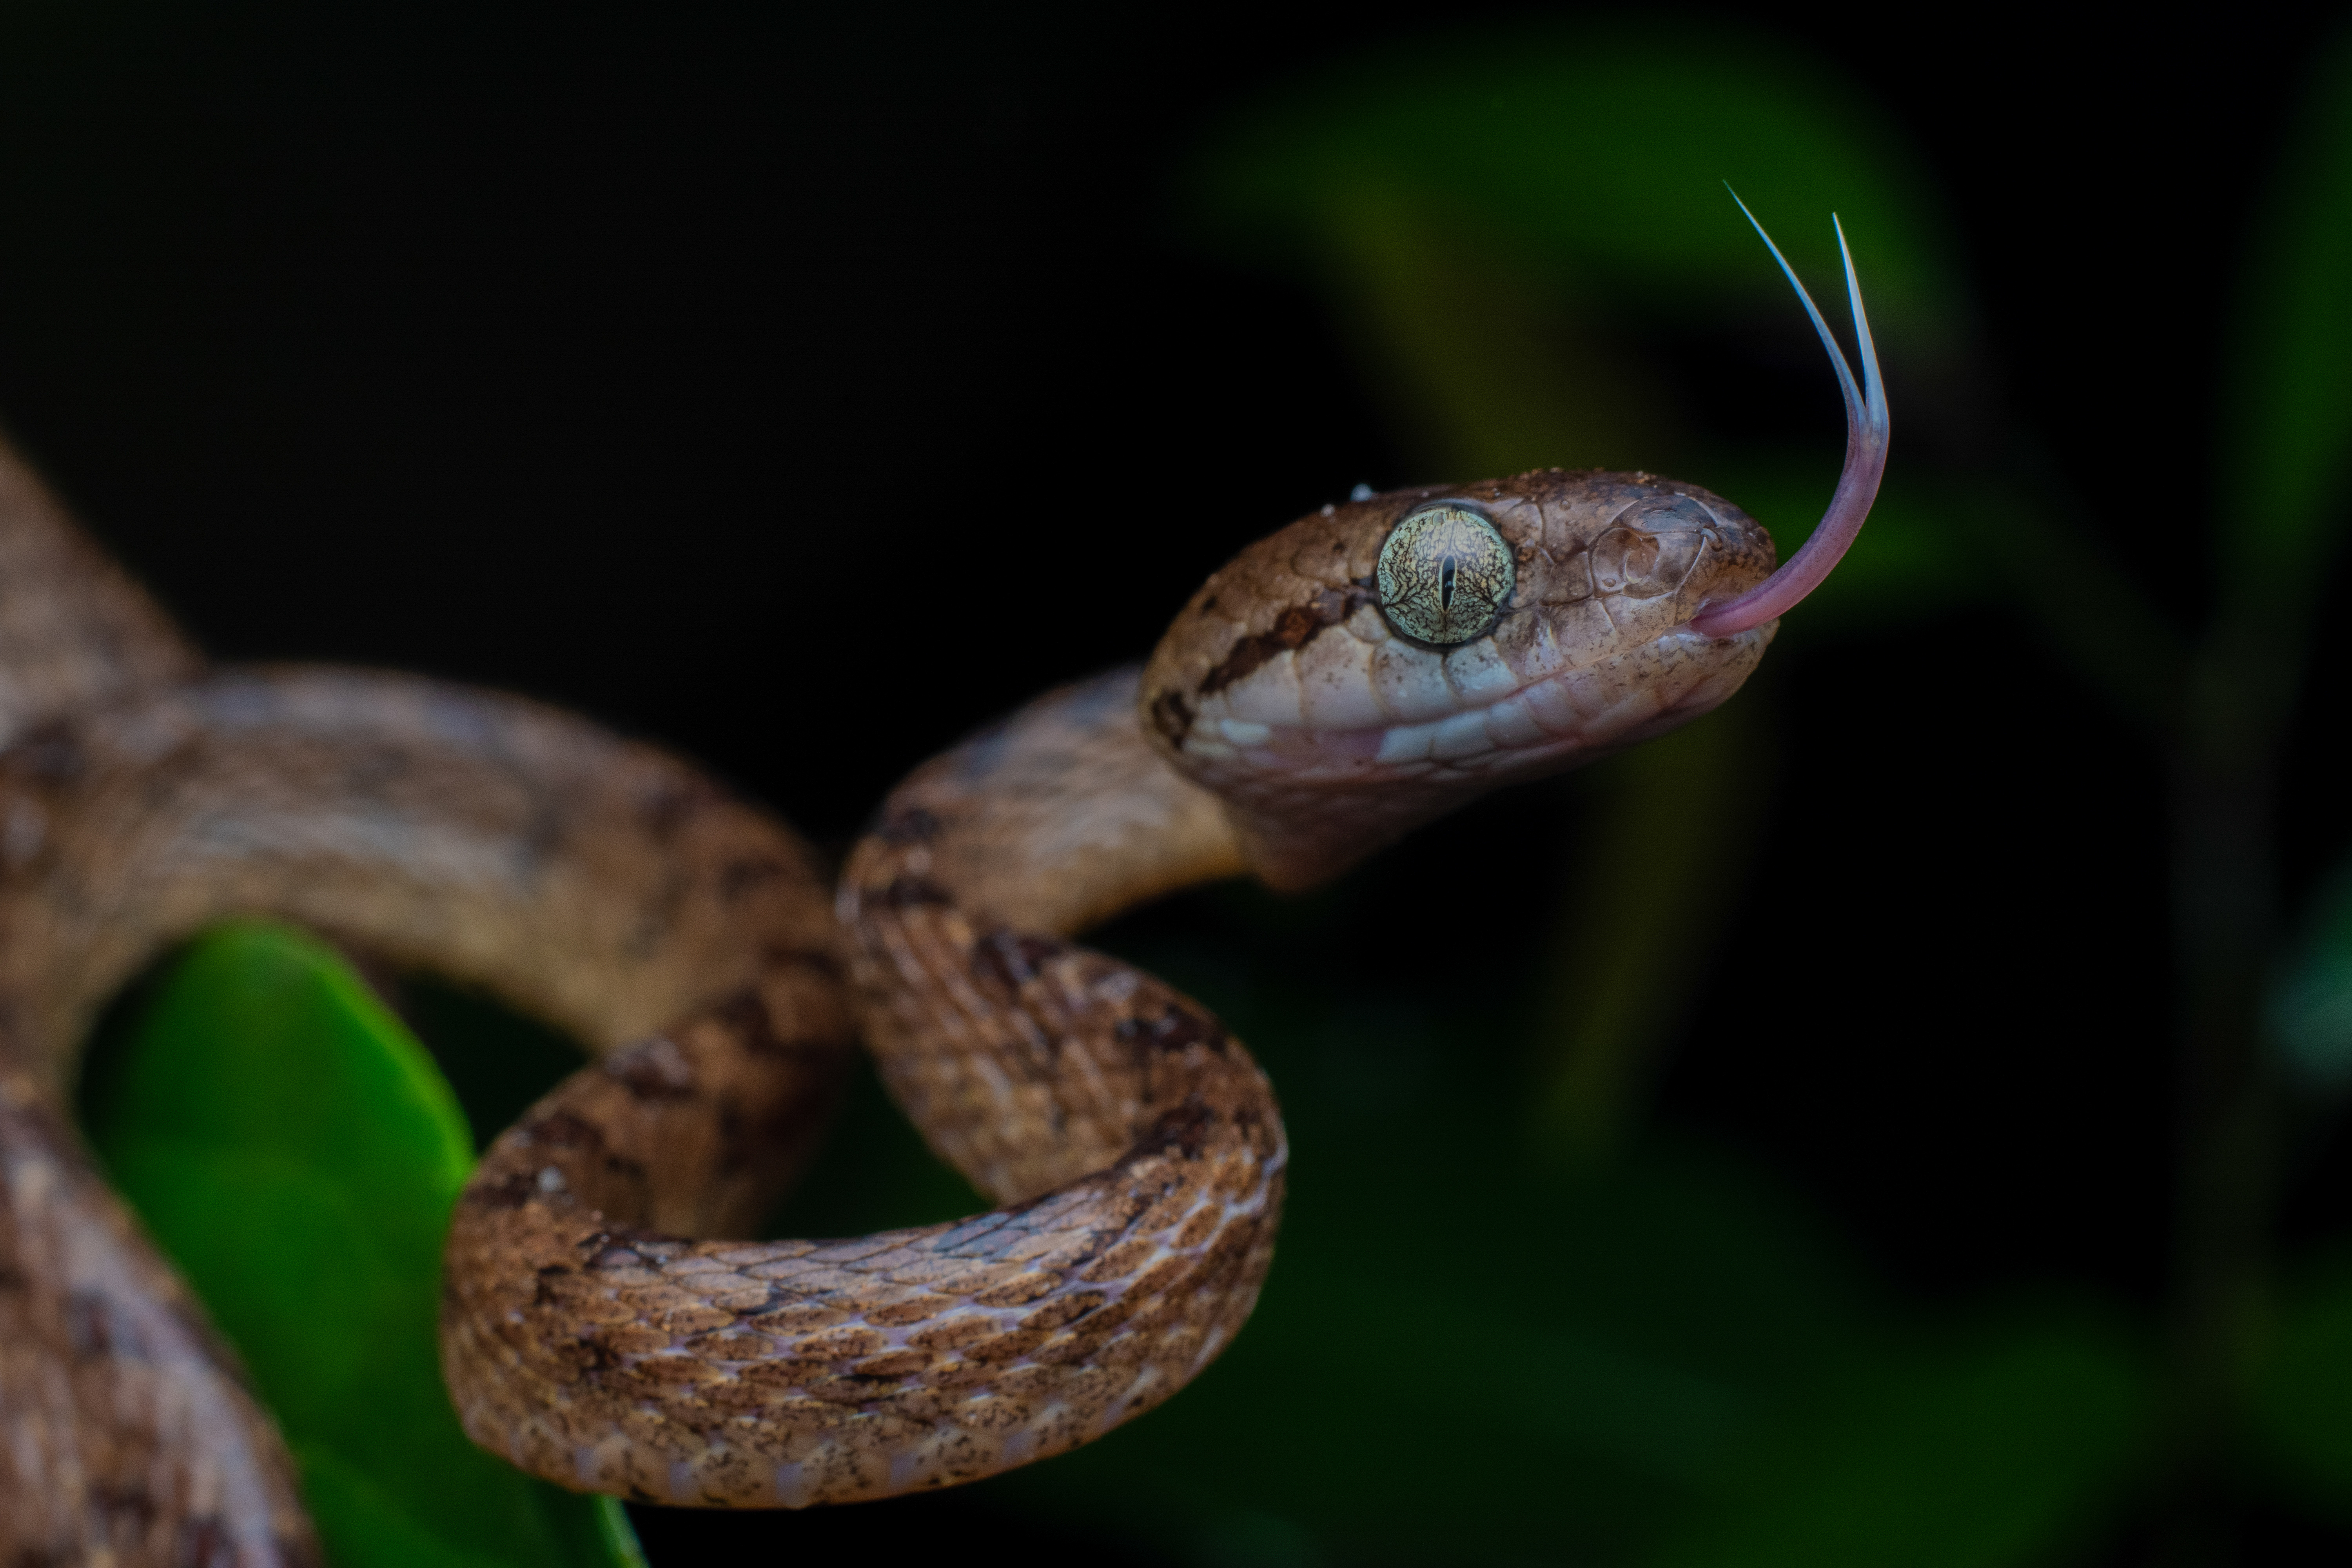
point(1340, 682)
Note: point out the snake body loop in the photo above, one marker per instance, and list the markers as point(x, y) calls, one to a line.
point(1340, 681)
point(1135, 1145)
point(595, 1332)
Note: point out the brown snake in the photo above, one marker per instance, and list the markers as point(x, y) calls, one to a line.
point(1353, 675)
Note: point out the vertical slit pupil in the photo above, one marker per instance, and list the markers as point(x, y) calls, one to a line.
point(1445, 583)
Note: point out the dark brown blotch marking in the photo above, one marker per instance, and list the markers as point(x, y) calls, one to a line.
point(1176, 1027)
point(653, 1069)
point(624, 1246)
point(510, 1191)
point(1011, 959)
point(776, 955)
point(1293, 629)
point(741, 877)
point(908, 891)
point(51, 752)
point(566, 1131)
point(129, 1501)
point(1171, 716)
point(912, 826)
point(671, 806)
point(544, 1293)
point(595, 1356)
point(89, 1327)
point(563, 1130)
point(204, 1542)
point(1184, 1130)
point(745, 1016)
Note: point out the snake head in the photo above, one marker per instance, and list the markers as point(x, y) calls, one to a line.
point(1373, 665)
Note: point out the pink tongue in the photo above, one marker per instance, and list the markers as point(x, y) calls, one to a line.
point(1865, 461)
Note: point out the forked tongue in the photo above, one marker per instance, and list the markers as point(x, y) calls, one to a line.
point(1865, 460)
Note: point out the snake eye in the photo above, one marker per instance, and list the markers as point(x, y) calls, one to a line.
point(1444, 573)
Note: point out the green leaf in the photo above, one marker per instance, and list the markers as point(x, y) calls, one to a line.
point(296, 1151)
point(2289, 443)
point(2000, 1449)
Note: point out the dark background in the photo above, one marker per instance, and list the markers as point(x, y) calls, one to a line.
point(801, 391)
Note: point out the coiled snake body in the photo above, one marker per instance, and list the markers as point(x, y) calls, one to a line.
point(1353, 675)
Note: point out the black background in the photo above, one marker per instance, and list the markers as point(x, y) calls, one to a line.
point(801, 391)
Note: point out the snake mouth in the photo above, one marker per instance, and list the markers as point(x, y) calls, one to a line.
point(1308, 801)
point(1553, 721)
point(1865, 462)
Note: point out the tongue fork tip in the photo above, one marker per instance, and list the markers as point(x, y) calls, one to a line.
point(1865, 461)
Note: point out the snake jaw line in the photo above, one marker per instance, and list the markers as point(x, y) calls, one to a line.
point(1865, 462)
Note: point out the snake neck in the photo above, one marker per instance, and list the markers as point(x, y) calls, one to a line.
point(1050, 822)
point(1027, 1059)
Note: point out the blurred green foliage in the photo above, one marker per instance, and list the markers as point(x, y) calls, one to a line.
point(294, 1151)
point(1506, 222)
point(1599, 148)
point(2310, 1002)
point(2299, 1437)
point(2288, 438)
point(1675, 1366)
point(1502, 218)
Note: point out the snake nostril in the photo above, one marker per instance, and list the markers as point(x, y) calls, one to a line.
point(1641, 564)
point(1652, 547)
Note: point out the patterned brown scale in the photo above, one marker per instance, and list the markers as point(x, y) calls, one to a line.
point(596, 1331)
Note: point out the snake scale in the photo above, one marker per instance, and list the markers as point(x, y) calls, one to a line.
point(1342, 680)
